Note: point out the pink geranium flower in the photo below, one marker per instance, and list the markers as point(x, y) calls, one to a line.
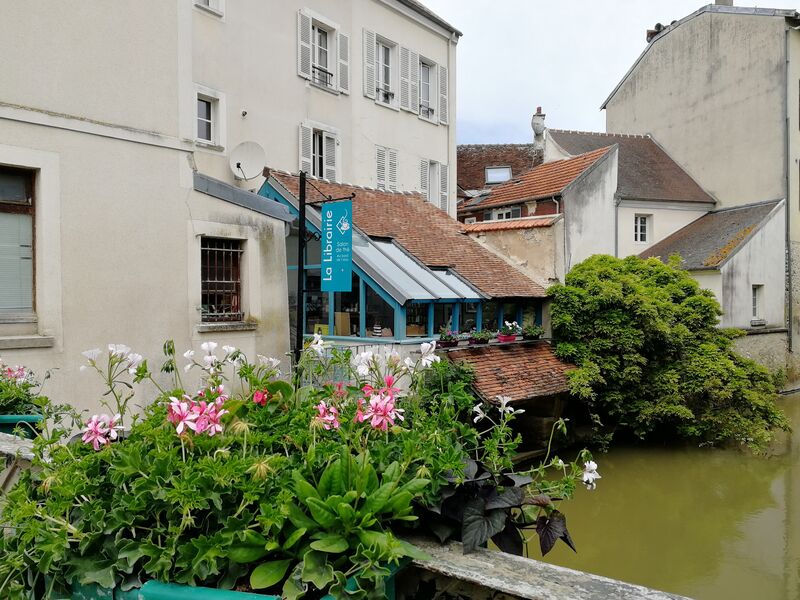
point(261, 397)
point(328, 416)
point(181, 415)
point(382, 412)
point(359, 418)
point(96, 431)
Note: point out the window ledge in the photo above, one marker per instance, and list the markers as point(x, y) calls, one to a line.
point(392, 106)
point(18, 342)
point(210, 10)
point(209, 146)
point(325, 88)
point(432, 121)
point(14, 319)
point(226, 326)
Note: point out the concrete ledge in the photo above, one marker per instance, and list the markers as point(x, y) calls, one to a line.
point(232, 326)
point(15, 342)
point(764, 330)
point(521, 577)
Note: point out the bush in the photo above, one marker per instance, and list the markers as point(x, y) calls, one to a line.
point(651, 360)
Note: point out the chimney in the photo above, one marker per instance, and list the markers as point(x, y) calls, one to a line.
point(723, 2)
point(537, 124)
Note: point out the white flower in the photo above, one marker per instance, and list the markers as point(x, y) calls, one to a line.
point(590, 474)
point(428, 356)
point(268, 361)
point(188, 355)
point(229, 349)
point(188, 367)
point(91, 355)
point(209, 347)
point(409, 364)
point(118, 350)
point(83, 368)
point(210, 359)
point(479, 414)
point(362, 362)
point(558, 463)
point(317, 345)
point(134, 360)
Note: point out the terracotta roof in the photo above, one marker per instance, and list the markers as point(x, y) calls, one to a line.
point(713, 238)
point(510, 224)
point(519, 370)
point(646, 172)
point(543, 181)
point(426, 232)
point(474, 158)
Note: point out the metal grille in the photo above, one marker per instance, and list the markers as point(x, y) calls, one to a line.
point(221, 279)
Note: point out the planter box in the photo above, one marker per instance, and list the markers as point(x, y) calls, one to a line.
point(447, 343)
point(26, 422)
point(506, 338)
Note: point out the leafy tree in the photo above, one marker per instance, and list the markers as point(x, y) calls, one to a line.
point(651, 360)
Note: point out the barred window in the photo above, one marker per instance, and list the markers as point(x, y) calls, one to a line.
point(221, 279)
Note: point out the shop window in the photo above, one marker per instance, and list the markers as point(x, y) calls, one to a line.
point(443, 317)
point(316, 304)
point(380, 316)
point(529, 315)
point(509, 311)
point(469, 316)
point(417, 320)
point(490, 316)
point(346, 310)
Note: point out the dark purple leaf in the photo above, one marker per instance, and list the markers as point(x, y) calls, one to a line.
point(542, 500)
point(509, 498)
point(510, 539)
point(478, 525)
point(518, 480)
point(550, 529)
point(441, 529)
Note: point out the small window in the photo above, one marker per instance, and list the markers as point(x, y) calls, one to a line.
point(757, 301)
point(216, 7)
point(383, 70)
point(425, 90)
point(16, 241)
point(512, 212)
point(641, 225)
point(417, 320)
point(205, 125)
point(470, 220)
point(318, 154)
point(221, 283)
point(497, 174)
point(321, 68)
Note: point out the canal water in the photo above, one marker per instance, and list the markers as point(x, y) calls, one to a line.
point(705, 523)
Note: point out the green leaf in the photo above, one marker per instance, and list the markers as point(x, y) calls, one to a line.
point(367, 479)
point(400, 501)
point(331, 543)
point(316, 569)
point(302, 488)
point(294, 537)
point(300, 520)
point(412, 551)
point(322, 513)
point(415, 486)
point(331, 482)
point(346, 513)
point(294, 587)
point(392, 472)
point(90, 570)
point(269, 573)
point(246, 554)
point(374, 539)
point(281, 387)
point(378, 499)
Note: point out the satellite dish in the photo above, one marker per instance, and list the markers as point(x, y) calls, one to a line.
point(248, 160)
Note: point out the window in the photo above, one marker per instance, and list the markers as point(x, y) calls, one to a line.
point(757, 301)
point(470, 220)
point(512, 212)
point(323, 52)
point(221, 283)
point(16, 241)
point(318, 154)
point(210, 111)
point(321, 69)
point(434, 183)
point(417, 320)
point(216, 7)
point(380, 316)
point(497, 174)
point(383, 70)
point(640, 228)
point(204, 119)
point(425, 90)
point(443, 317)
point(386, 168)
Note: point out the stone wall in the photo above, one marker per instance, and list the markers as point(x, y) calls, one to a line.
point(769, 348)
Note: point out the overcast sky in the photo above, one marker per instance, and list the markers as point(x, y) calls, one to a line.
point(566, 57)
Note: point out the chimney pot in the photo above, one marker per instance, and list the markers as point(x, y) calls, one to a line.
point(723, 2)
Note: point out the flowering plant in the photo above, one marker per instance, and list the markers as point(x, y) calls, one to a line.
point(482, 336)
point(532, 331)
point(447, 335)
point(18, 390)
point(511, 328)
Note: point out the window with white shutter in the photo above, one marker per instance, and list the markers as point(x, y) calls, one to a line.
point(444, 187)
point(344, 63)
point(386, 168)
point(330, 156)
point(380, 167)
point(427, 90)
point(424, 178)
point(391, 155)
point(318, 152)
point(306, 148)
point(405, 79)
point(16, 241)
point(369, 63)
point(384, 72)
point(304, 45)
point(443, 88)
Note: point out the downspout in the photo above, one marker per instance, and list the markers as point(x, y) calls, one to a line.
point(616, 225)
point(787, 202)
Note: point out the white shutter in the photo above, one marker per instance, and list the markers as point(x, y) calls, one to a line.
point(424, 167)
point(380, 167)
point(405, 82)
point(344, 63)
point(444, 184)
point(329, 145)
point(443, 83)
point(414, 78)
point(369, 64)
point(306, 141)
point(303, 45)
point(16, 263)
point(392, 172)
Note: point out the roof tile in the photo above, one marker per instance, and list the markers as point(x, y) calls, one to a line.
point(474, 158)
point(510, 224)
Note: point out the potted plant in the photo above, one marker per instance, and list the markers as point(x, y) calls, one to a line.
point(532, 332)
point(19, 395)
point(447, 337)
point(508, 332)
point(481, 337)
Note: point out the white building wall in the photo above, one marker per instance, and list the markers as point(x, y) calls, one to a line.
point(588, 208)
point(664, 220)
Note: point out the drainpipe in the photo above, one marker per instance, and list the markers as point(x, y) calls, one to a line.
point(616, 225)
point(787, 200)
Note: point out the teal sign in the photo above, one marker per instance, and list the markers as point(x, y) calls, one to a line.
point(337, 246)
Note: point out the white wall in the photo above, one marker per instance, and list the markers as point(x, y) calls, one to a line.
point(588, 208)
point(665, 219)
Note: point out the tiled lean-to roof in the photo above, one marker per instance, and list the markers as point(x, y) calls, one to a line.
point(426, 232)
point(520, 371)
point(510, 224)
point(713, 238)
point(646, 172)
point(544, 181)
point(473, 159)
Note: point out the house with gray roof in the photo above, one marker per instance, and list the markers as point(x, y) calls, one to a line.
point(738, 253)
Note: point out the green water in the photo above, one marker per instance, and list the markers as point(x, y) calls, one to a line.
point(708, 524)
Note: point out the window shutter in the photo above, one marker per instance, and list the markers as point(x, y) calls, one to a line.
point(444, 182)
point(405, 82)
point(443, 107)
point(303, 45)
point(344, 63)
point(380, 161)
point(16, 263)
point(424, 166)
point(306, 141)
point(414, 78)
point(369, 64)
point(329, 142)
point(392, 173)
